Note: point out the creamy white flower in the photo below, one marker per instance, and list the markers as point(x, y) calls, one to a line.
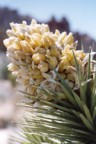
point(34, 51)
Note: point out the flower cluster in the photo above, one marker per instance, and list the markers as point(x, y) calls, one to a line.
point(34, 51)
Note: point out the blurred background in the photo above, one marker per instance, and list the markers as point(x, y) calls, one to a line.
point(77, 16)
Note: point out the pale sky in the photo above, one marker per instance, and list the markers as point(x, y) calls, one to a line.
point(81, 14)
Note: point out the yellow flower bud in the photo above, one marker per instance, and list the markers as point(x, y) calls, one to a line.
point(9, 41)
point(47, 75)
point(36, 74)
point(45, 42)
point(33, 22)
point(20, 35)
point(44, 28)
point(66, 49)
point(25, 46)
point(79, 61)
point(48, 53)
point(48, 39)
point(62, 37)
point(40, 50)
point(38, 57)
point(63, 64)
point(10, 33)
point(19, 54)
point(54, 52)
point(80, 54)
point(43, 67)
point(53, 62)
point(57, 32)
point(16, 46)
point(13, 26)
point(12, 67)
point(36, 39)
point(69, 39)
